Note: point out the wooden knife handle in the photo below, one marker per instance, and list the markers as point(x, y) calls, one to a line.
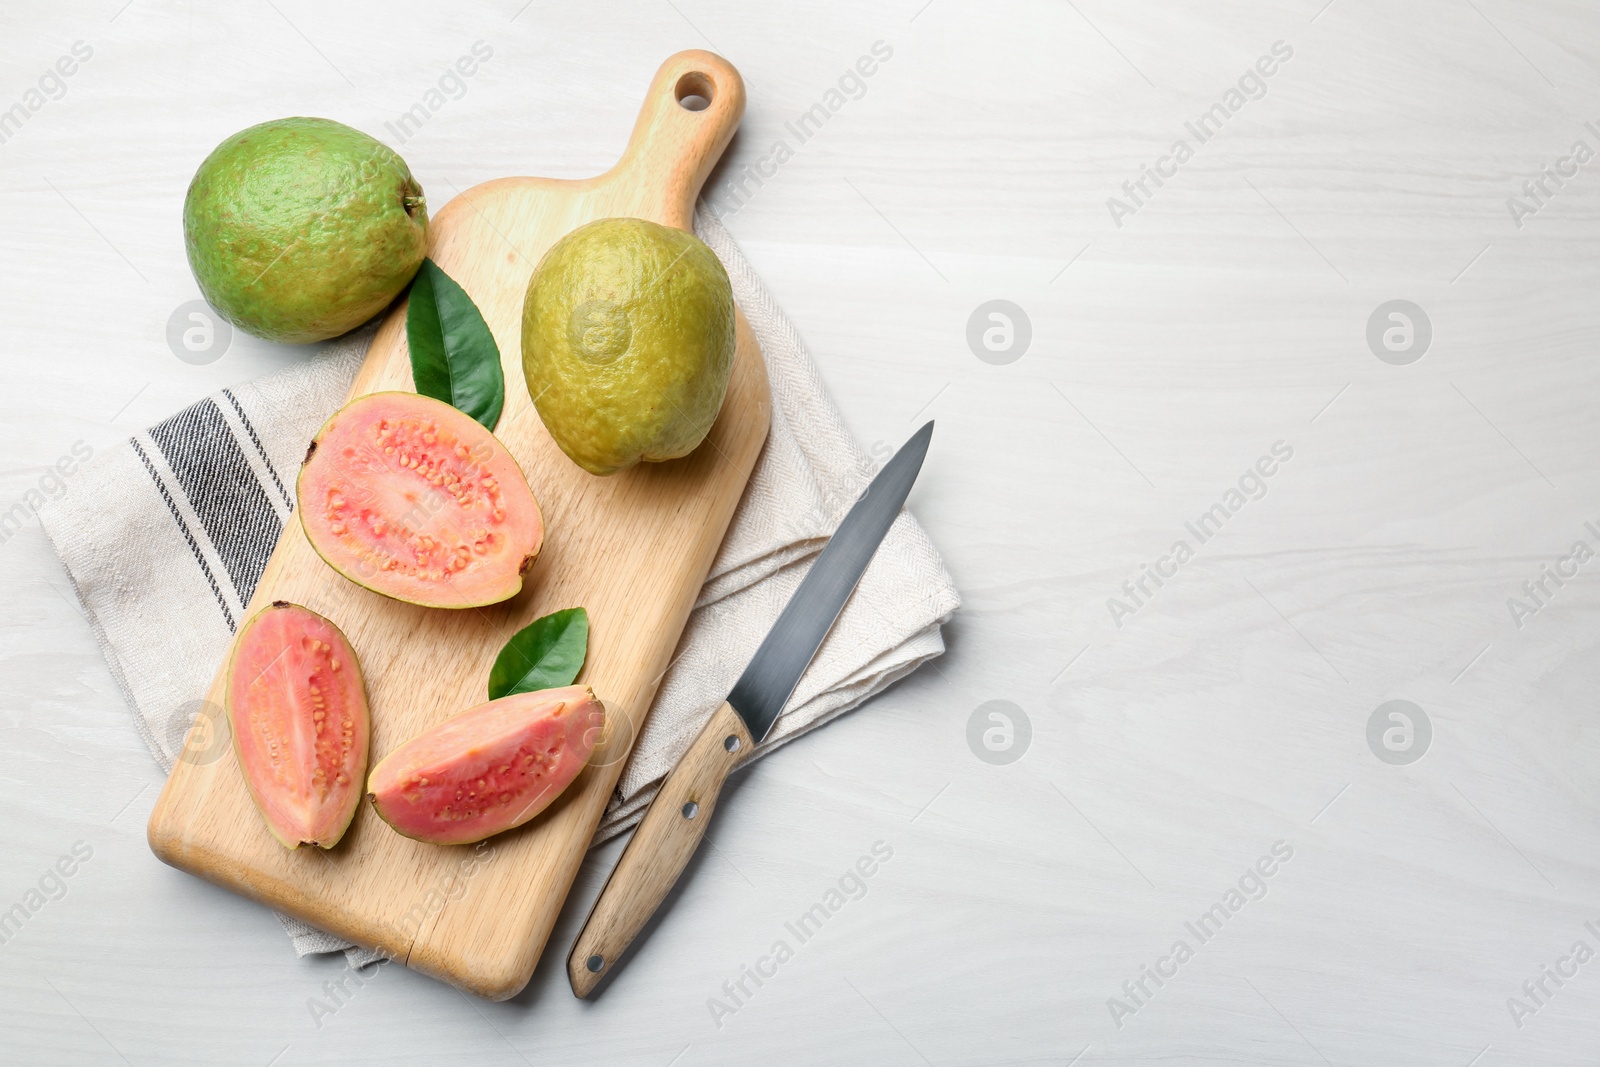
point(670, 832)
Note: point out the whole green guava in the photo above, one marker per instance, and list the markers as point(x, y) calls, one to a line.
point(628, 336)
point(302, 229)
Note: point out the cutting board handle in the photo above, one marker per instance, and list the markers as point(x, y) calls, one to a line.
point(689, 116)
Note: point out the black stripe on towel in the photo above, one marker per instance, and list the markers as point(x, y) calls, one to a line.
point(266, 461)
point(188, 535)
point(222, 489)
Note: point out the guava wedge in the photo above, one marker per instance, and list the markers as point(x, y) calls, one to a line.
point(407, 496)
point(489, 768)
point(298, 710)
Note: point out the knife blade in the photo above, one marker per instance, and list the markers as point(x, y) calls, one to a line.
point(774, 671)
point(676, 819)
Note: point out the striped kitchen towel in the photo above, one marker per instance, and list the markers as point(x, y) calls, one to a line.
point(165, 538)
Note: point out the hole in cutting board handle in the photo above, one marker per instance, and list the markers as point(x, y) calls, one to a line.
point(694, 92)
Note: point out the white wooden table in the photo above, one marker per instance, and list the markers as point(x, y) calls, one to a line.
point(1176, 741)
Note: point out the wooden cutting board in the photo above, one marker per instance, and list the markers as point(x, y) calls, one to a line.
point(633, 549)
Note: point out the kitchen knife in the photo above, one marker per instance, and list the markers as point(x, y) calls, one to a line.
point(676, 819)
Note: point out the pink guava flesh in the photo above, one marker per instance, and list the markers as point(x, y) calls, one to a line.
point(298, 710)
point(409, 497)
point(489, 768)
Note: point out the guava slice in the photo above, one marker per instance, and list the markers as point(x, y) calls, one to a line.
point(489, 768)
point(407, 496)
point(298, 710)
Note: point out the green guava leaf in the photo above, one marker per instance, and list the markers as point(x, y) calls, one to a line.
point(453, 354)
point(545, 654)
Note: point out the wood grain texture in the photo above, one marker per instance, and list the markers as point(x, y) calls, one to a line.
point(660, 848)
point(633, 549)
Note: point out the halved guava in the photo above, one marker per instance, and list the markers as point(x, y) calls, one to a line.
point(298, 709)
point(407, 496)
point(489, 768)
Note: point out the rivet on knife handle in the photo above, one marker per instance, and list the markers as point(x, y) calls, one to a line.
point(659, 850)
